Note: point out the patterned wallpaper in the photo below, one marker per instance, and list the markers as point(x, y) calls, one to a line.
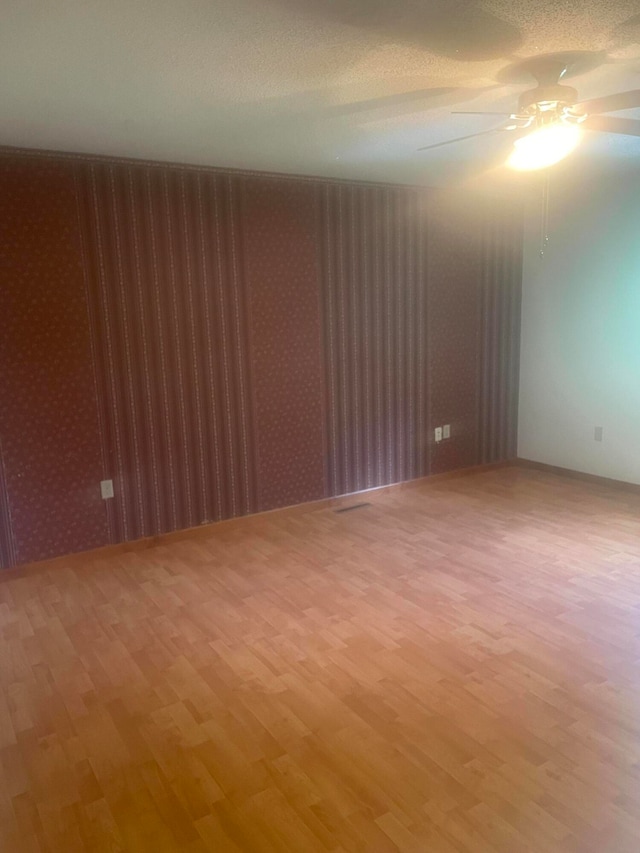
point(453, 331)
point(48, 424)
point(375, 319)
point(220, 343)
point(475, 268)
point(169, 307)
point(283, 280)
point(499, 358)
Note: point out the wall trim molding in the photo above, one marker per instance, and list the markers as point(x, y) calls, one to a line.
point(595, 479)
point(204, 530)
point(115, 159)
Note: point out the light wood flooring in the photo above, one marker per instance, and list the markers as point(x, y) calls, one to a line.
point(454, 668)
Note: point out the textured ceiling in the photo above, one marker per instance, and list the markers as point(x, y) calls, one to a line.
point(345, 88)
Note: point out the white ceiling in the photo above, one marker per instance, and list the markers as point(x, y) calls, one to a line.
point(294, 85)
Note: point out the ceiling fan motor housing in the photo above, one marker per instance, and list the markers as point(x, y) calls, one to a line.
point(547, 98)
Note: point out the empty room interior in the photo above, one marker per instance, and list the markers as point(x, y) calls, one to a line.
point(320, 426)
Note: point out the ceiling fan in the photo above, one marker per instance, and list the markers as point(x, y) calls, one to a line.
point(550, 117)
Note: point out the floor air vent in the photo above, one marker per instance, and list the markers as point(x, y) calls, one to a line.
point(349, 508)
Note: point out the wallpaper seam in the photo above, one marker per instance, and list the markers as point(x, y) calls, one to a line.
point(252, 390)
point(322, 329)
point(9, 546)
point(94, 354)
point(243, 416)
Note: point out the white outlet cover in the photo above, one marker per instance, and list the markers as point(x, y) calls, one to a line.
point(446, 431)
point(106, 489)
point(438, 433)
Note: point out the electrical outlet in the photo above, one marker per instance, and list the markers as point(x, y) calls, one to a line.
point(106, 489)
point(446, 431)
point(438, 433)
point(597, 434)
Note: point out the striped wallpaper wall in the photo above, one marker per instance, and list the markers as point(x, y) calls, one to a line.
point(252, 342)
point(473, 330)
point(375, 320)
point(499, 359)
point(169, 310)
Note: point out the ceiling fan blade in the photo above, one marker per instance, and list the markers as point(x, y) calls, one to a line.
point(416, 100)
point(461, 138)
point(612, 124)
point(611, 103)
point(385, 101)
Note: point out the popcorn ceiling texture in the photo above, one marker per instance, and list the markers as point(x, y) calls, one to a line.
point(292, 85)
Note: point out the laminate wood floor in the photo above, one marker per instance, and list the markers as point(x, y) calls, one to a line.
point(453, 668)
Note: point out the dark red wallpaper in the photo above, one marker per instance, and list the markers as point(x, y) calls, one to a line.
point(475, 256)
point(220, 343)
point(375, 321)
point(166, 284)
point(280, 251)
point(454, 260)
point(48, 423)
point(499, 356)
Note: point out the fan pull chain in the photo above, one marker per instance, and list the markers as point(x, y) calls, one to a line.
point(544, 212)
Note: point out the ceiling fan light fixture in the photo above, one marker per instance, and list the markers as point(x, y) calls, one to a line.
point(544, 147)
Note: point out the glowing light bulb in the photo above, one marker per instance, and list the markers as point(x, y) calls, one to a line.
point(544, 147)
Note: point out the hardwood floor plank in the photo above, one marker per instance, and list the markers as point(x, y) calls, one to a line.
point(454, 668)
